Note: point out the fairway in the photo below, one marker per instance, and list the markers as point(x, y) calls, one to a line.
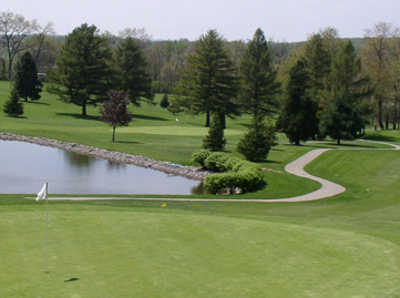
point(183, 254)
point(176, 130)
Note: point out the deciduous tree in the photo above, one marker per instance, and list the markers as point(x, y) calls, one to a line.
point(114, 111)
point(14, 28)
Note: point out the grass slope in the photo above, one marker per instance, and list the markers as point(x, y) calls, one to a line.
point(347, 246)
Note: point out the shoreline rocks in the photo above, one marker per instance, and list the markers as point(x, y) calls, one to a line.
point(138, 160)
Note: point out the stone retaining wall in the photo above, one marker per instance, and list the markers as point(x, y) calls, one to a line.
point(138, 160)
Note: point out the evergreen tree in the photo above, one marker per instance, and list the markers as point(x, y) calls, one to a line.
point(298, 119)
point(27, 82)
point(215, 140)
point(257, 142)
point(164, 103)
point(114, 111)
point(13, 107)
point(132, 75)
point(258, 79)
point(341, 119)
point(82, 74)
point(257, 97)
point(344, 118)
point(209, 81)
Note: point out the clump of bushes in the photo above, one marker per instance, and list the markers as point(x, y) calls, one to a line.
point(237, 175)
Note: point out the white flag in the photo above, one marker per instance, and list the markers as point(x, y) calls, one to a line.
point(42, 195)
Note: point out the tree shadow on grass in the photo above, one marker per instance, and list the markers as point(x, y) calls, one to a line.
point(127, 142)
point(380, 138)
point(145, 117)
point(79, 116)
point(37, 103)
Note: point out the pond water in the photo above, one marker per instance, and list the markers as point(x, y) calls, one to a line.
point(25, 167)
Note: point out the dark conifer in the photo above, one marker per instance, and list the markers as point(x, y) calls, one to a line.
point(13, 107)
point(26, 79)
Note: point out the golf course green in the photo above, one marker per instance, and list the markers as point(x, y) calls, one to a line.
point(345, 246)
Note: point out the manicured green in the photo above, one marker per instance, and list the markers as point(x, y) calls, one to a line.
point(346, 246)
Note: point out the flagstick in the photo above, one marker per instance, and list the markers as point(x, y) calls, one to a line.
point(47, 228)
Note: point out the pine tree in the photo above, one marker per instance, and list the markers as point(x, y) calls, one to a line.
point(27, 82)
point(258, 79)
point(83, 73)
point(132, 75)
point(215, 140)
point(13, 107)
point(258, 141)
point(341, 119)
point(298, 119)
point(257, 97)
point(209, 81)
point(344, 118)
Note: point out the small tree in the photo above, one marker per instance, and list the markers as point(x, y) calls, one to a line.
point(257, 142)
point(27, 82)
point(13, 107)
point(215, 140)
point(164, 102)
point(114, 111)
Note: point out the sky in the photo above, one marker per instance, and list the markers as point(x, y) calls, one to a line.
point(281, 20)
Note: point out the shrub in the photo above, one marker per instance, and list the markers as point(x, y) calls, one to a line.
point(239, 173)
point(164, 103)
point(216, 162)
point(201, 156)
point(257, 142)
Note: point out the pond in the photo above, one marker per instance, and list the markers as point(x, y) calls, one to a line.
point(25, 167)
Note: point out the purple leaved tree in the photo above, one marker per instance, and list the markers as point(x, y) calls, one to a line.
point(115, 112)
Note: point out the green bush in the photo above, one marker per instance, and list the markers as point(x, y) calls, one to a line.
point(216, 162)
point(200, 156)
point(239, 173)
point(257, 142)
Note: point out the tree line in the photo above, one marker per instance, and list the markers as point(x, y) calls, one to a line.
point(324, 86)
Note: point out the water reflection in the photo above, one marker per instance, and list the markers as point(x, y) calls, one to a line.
point(24, 167)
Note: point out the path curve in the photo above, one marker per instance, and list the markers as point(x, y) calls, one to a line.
point(328, 189)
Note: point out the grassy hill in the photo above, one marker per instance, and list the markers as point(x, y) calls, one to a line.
point(347, 246)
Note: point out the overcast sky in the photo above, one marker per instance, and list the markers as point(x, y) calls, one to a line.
point(281, 20)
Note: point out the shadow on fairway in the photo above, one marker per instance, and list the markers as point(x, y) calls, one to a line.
point(128, 142)
point(79, 116)
point(38, 103)
point(377, 137)
point(145, 117)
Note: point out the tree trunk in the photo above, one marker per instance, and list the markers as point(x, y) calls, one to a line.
point(113, 137)
point(380, 114)
point(84, 113)
point(338, 140)
point(208, 119)
point(297, 142)
point(387, 121)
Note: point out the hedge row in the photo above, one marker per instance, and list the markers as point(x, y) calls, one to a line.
point(235, 173)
